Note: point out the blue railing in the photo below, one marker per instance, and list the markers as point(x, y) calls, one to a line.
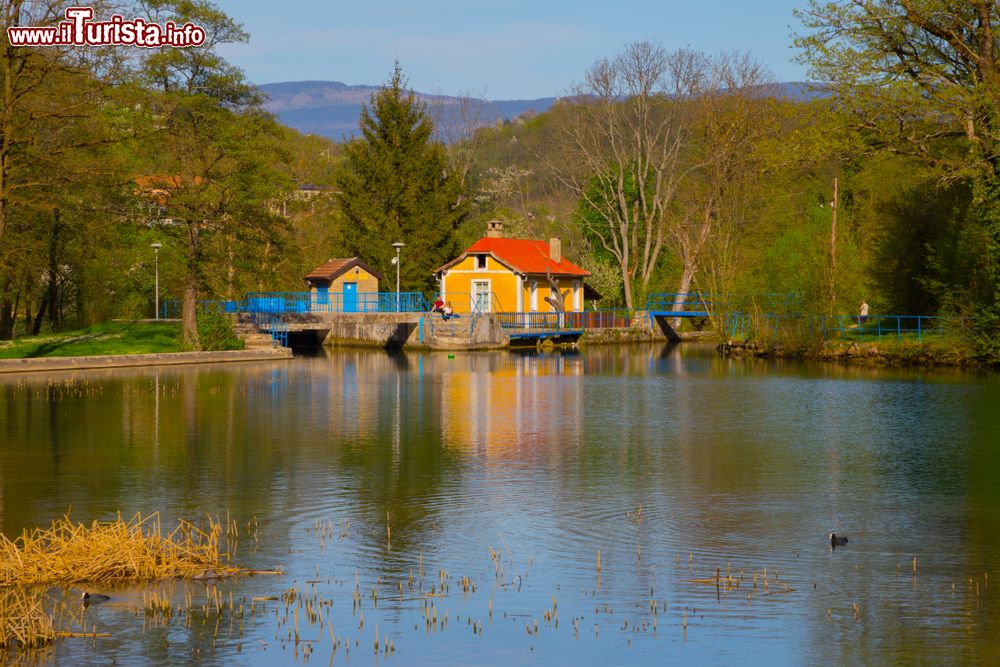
point(849, 327)
point(689, 303)
point(308, 302)
point(336, 302)
point(703, 304)
point(890, 326)
point(536, 322)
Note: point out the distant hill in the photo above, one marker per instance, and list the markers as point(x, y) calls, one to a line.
point(332, 108)
point(802, 91)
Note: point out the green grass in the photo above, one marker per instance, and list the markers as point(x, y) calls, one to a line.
point(107, 338)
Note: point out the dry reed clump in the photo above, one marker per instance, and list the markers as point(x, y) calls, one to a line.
point(133, 550)
point(23, 622)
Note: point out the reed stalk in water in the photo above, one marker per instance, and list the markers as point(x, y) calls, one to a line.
point(119, 550)
point(23, 622)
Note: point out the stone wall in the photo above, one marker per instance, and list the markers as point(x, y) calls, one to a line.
point(367, 329)
point(128, 360)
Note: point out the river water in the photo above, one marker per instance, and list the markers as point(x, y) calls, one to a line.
point(592, 499)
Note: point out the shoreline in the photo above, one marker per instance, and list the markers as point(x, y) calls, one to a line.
point(42, 364)
point(912, 354)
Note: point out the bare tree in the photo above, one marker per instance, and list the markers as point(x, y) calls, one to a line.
point(730, 116)
point(556, 297)
point(619, 141)
point(458, 122)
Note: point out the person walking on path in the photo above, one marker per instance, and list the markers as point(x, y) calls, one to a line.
point(863, 313)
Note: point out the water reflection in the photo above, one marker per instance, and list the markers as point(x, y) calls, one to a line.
point(434, 458)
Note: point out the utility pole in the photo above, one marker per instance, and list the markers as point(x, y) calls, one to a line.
point(833, 246)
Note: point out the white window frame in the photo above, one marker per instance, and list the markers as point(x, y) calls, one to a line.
point(475, 295)
point(486, 263)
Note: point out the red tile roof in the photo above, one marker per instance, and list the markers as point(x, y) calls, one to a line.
point(333, 268)
point(523, 255)
point(159, 187)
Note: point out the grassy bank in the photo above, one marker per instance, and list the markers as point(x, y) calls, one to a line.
point(107, 338)
point(938, 351)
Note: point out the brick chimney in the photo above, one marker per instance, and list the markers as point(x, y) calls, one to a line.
point(555, 250)
point(494, 229)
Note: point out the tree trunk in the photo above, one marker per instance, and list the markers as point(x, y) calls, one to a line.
point(36, 326)
point(230, 272)
point(627, 287)
point(189, 323)
point(557, 302)
point(8, 312)
point(687, 277)
point(53, 270)
point(6, 320)
point(6, 127)
point(833, 248)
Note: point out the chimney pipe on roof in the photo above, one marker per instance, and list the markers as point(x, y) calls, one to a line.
point(494, 229)
point(555, 250)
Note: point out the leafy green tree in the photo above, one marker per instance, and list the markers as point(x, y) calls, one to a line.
point(217, 150)
point(54, 120)
point(396, 186)
point(922, 78)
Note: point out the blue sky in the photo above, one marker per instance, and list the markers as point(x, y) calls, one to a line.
point(501, 48)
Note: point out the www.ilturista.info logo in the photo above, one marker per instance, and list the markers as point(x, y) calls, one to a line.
point(79, 30)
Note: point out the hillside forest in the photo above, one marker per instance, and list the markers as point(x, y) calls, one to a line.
point(661, 169)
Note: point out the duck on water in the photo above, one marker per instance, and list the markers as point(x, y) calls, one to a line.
point(93, 598)
point(837, 541)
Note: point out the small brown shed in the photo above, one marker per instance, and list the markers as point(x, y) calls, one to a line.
point(342, 282)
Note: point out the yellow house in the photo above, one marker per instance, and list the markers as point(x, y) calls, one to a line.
point(511, 275)
point(344, 285)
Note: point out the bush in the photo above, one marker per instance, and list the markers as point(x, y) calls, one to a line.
point(215, 331)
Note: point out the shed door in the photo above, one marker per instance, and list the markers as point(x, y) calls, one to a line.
point(350, 297)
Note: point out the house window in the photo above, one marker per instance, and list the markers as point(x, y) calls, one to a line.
point(481, 296)
point(480, 262)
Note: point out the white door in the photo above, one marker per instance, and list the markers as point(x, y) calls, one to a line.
point(481, 296)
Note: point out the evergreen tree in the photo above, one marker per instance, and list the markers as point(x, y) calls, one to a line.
point(395, 186)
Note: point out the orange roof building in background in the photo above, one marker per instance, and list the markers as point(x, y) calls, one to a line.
point(513, 275)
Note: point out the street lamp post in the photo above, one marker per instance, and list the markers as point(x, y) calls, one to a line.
point(156, 253)
point(398, 246)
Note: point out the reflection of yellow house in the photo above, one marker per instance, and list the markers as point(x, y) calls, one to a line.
point(503, 406)
point(512, 275)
